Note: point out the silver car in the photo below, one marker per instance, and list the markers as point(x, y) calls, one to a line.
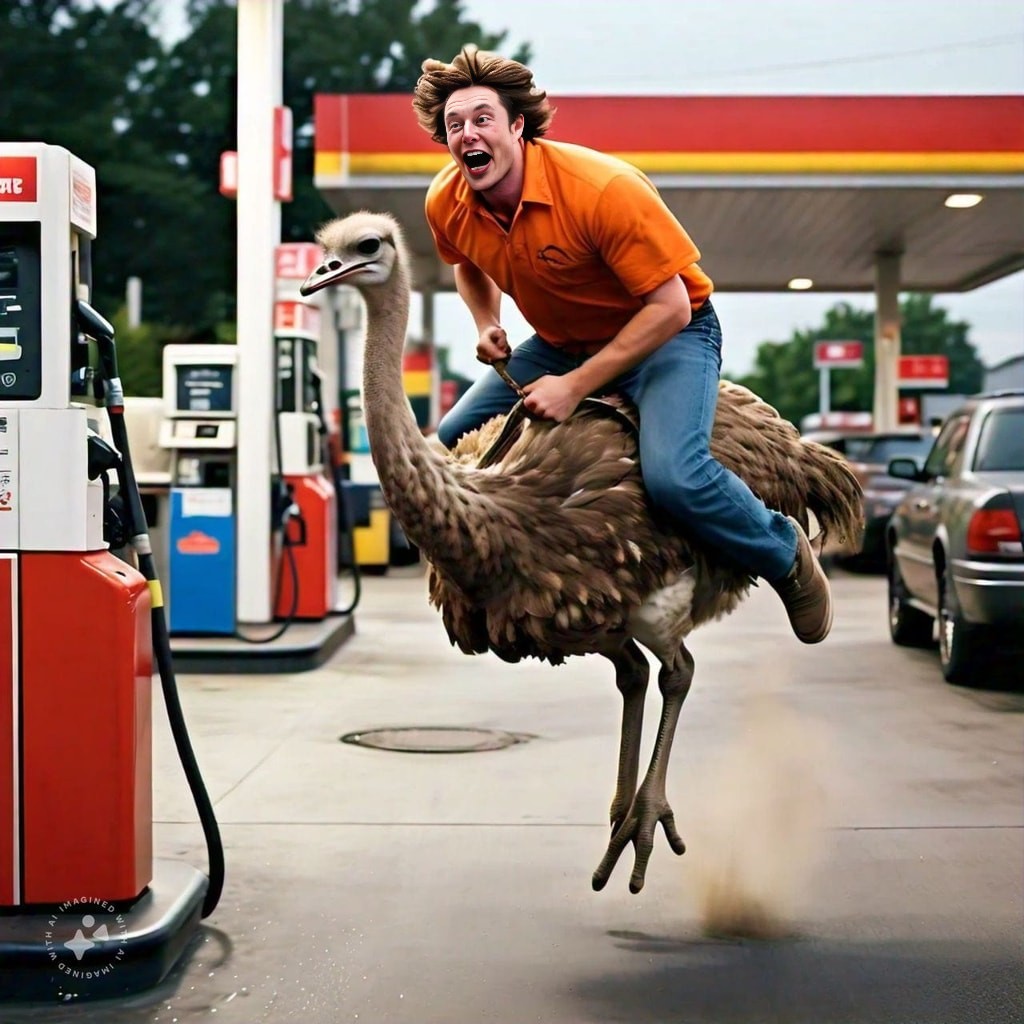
point(953, 544)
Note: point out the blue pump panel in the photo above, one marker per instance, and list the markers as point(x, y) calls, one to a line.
point(201, 562)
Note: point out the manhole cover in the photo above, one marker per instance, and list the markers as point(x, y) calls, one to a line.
point(435, 739)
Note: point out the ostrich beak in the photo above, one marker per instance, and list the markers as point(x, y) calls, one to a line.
point(331, 271)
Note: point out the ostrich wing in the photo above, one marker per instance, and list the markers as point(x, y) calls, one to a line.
point(566, 545)
point(786, 472)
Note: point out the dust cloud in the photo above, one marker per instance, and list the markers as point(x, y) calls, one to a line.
point(761, 817)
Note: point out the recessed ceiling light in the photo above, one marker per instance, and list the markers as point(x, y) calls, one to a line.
point(800, 284)
point(963, 200)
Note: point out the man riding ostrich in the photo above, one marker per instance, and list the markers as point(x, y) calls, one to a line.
point(556, 547)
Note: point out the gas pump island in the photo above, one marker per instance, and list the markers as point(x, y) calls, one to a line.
point(85, 909)
point(200, 430)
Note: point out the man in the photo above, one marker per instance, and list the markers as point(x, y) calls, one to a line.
point(611, 284)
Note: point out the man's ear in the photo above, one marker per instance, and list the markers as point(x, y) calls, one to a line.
point(518, 125)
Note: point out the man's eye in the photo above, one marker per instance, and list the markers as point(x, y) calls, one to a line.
point(453, 128)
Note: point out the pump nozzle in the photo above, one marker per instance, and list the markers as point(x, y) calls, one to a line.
point(101, 457)
point(90, 322)
point(101, 331)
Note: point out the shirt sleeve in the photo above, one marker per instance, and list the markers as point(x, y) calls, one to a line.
point(433, 209)
point(638, 236)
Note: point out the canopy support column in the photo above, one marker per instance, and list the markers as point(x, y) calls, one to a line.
point(887, 340)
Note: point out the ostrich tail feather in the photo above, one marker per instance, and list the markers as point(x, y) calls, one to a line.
point(834, 494)
point(786, 472)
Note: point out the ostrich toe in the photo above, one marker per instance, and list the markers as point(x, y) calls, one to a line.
point(638, 828)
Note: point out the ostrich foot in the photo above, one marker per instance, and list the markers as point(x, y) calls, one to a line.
point(638, 825)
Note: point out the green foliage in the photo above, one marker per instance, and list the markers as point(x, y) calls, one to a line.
point(140, 350)
point(784, 372)
point(153, 122)
point(138, 356)
point(339, 46)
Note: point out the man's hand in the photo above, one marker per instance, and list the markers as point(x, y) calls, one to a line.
point(493, 345)
point(552, 397)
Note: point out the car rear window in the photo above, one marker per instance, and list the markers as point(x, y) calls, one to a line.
point(1001, 441)
point(881, 449)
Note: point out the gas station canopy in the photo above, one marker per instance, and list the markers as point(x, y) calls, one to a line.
point(770, 188)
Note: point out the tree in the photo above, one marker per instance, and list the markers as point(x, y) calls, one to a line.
point(184, 109)
point(784, 372)
point(153, 122)
point(68, 70)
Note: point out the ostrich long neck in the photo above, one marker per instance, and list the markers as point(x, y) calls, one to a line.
point(419, 485)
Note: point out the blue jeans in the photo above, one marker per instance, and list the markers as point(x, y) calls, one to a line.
point(675, 390)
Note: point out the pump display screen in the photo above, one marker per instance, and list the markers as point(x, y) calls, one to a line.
point(205, 388)
point(8, 267)
point(20, 313)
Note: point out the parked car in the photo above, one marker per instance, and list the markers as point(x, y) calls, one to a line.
point(869, 455)
point(954, 543)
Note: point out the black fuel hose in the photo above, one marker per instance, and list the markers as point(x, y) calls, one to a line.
point(92, 324)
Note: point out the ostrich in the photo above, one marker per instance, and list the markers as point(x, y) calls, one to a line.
point(541, 541)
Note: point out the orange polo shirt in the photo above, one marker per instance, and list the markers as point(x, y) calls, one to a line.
point(590, 237)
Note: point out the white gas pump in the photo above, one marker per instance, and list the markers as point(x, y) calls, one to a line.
point(309, 588)
point(78, 626)
point(200, 429)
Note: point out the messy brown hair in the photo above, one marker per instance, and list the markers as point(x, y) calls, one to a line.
point(512, 81)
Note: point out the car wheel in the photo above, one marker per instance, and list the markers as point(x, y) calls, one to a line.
point(959, 653)
point(908, 626)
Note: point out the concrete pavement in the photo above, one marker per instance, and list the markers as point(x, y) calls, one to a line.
point(842, 797)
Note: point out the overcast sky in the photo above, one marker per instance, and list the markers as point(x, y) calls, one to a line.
point(748, 47)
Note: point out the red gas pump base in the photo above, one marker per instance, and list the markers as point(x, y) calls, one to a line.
point(80, 950)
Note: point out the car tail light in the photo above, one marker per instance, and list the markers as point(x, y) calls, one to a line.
point(994, 531)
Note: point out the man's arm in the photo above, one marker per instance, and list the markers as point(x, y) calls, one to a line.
point(665, 312)
point(483, 300)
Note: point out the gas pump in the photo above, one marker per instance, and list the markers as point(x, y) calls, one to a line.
point(308, 590)
point(86, 909)
point(200, 428)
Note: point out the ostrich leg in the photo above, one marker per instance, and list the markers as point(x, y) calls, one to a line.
point(650, 805)
point(631, 674)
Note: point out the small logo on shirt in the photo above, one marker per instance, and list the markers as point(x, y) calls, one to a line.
point(554, 256)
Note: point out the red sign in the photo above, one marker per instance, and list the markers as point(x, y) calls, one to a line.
point(833, 355)
point(296, 316)
point(909, 409)
point(295, 261)
point(923, 372)
point(229, 174)
point(198, 543)
point(449, 394)
point(282, 157)
point(17, 179)
point(844, 421)
point(283, 154)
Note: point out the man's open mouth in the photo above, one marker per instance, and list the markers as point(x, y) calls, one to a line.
point(476, 160)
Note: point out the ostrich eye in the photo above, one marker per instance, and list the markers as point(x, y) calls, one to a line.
point(369, 246)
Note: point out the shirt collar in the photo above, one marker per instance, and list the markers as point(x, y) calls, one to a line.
point(535, 175)
point(535, 180)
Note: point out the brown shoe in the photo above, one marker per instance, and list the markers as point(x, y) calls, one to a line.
point(805, 592)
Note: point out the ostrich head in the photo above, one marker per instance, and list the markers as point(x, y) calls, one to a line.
point(361, 249)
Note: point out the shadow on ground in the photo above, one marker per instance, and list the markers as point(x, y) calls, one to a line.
point(693, 981)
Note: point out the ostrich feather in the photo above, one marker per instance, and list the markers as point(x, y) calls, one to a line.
point(540, 538)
